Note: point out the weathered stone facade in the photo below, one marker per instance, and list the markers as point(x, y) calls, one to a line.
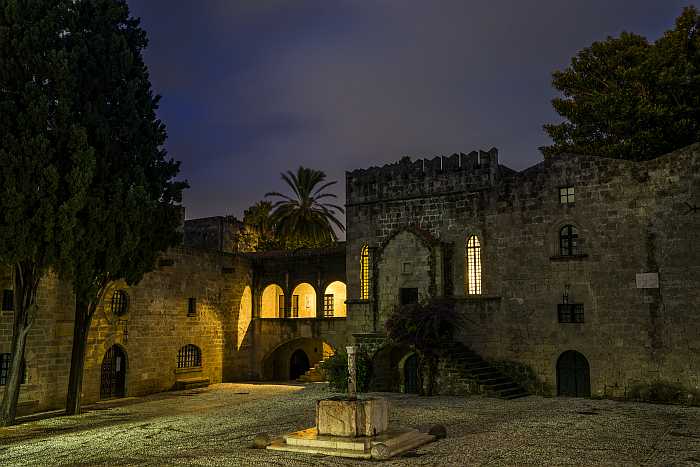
point(415, 218)
point(630, 217)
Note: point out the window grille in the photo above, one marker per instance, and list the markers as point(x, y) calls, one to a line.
point(191, 307)
point(280, 306)
point(328, 305)
point(8, 303)
point(189, 356)
point(567, 195)
point(120, 303)
point(5, 360)
point(568, 241)
point(473, 266)
point(364, 273)
point(570, 312)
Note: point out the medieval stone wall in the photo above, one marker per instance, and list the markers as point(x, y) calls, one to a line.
point(631, 218)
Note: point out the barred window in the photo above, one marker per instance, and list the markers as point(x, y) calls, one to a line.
point(8, 300)
point(191, 307)
point(570, 312)
point(328, 305)
point(364, 273)
point(5, 360)
point(295, 306)
point(120, 302)
point(189, 356)
point(568, 241)
point(473, 279)
point(567, 195)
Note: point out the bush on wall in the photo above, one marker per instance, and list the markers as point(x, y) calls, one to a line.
point(336, 370)
point(664, 392)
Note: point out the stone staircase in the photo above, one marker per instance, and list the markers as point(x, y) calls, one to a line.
point(471, 370)
point(314, 374)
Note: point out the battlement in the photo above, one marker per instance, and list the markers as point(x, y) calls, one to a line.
point(408, 178)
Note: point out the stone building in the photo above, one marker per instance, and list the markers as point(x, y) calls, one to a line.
point(584, 269)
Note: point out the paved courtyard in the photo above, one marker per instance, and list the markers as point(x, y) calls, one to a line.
point(216, 426)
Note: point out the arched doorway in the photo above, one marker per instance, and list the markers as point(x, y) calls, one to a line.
point(298, 364)
point(573, 375)
point(272, 302)
point(410, 374)
point(334, 300)
point(113, 373)
point(304, 301)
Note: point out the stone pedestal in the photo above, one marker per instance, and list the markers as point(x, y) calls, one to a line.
point(360, 417)
point(352, 428)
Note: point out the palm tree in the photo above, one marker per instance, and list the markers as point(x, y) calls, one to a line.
point(304, 219)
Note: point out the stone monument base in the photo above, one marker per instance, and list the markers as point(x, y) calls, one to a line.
point(382, 446)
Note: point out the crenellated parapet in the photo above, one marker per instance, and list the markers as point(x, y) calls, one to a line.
point(413, 178)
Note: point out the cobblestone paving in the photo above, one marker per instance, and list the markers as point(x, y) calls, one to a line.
point(216, 426)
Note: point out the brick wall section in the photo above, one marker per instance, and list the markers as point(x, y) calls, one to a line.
point(155, 327)
point(631, 218)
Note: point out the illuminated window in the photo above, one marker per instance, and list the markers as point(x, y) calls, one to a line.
point(568, 241)
point(119, 302)
point(328, 305)
point(566, 195)
point(5, 359)
point(473, 266)
point(189, 356)
point(364, 273)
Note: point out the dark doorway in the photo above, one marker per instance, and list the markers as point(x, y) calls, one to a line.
point(410, 375)
point(113, 375)
point(298, 364)
point(573, 375)
point(408, 296)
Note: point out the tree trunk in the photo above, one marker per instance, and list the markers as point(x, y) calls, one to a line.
point(81, 327)
point(25, 279)
point(432, 371)
point(419, 374)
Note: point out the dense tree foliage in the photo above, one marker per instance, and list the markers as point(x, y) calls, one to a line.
point(46, 163)
point(132, 211)
point(631, 99)
point(259, 230)
point(425, 328)
point(304, 219)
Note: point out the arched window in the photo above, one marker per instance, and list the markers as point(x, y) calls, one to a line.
point(473, 266)
point(120, 303)
point(568, 241)
point(364, 273)
point(189, 356)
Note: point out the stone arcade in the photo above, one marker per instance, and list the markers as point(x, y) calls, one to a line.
point(585, 269)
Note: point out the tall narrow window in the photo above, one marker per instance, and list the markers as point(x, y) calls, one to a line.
point(568, 241)
point(473, 266)
point(364, 273)
point(8, 300)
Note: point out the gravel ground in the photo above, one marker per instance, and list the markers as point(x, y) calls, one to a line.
point(216, 426)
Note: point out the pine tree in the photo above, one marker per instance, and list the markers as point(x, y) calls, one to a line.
point(46, 163)
point(132, 212)
point(627, 98)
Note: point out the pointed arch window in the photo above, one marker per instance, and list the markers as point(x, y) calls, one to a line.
point(473, 258)
point(364, 273)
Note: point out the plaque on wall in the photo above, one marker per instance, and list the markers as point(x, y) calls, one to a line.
point(648, 280)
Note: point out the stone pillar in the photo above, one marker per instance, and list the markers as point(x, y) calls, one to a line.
point(352, 373)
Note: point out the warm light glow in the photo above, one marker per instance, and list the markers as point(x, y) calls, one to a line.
point(334, 300)
point(304, 301)
point(270, 306)
point(245, 314)
point(364, 273)
point(473, 278)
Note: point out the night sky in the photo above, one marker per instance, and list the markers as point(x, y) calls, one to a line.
point(253, 88)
